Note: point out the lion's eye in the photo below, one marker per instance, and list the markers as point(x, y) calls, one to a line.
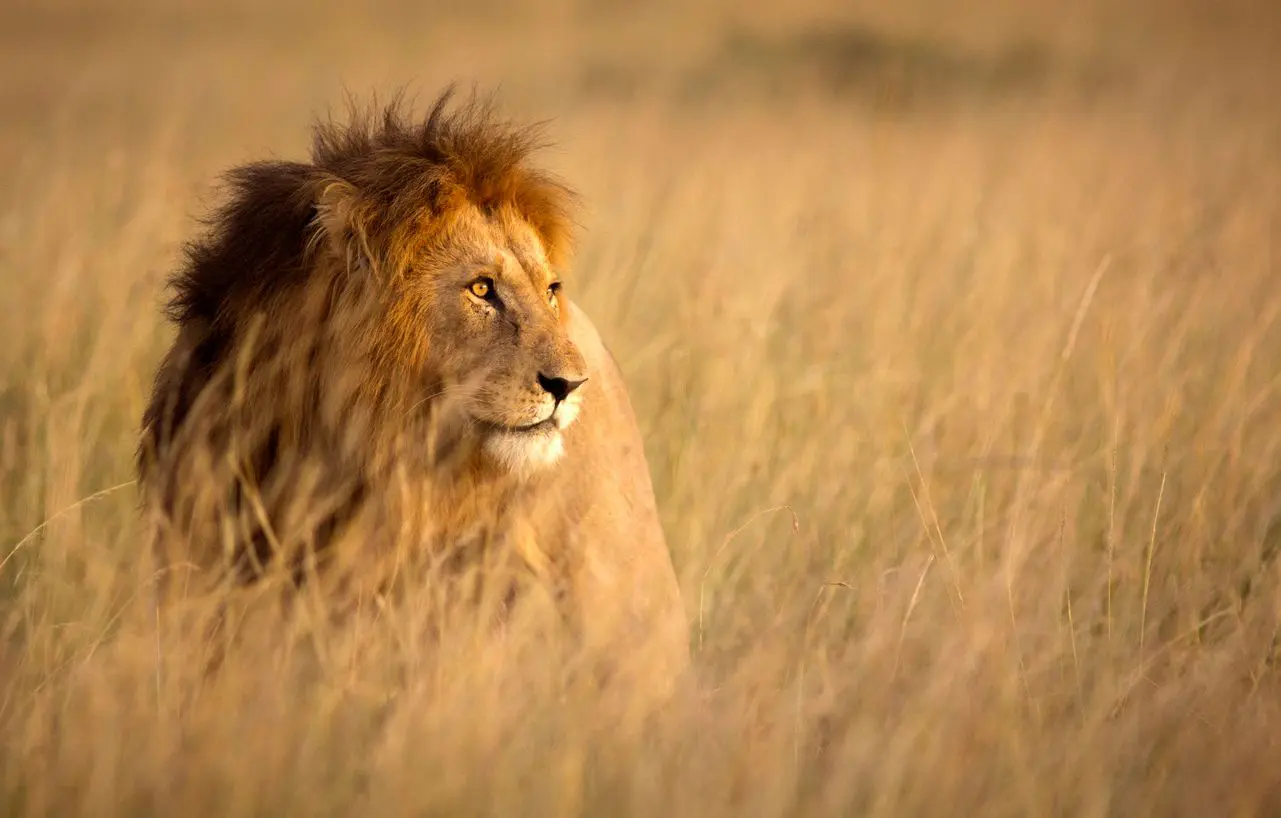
point(553, 292)
point(481, 288)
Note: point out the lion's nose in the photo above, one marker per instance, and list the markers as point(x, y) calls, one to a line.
point(558, 387)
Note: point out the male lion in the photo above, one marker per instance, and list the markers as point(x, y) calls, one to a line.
point(377, 362)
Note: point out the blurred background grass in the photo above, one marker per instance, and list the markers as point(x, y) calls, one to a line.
point(953, 332)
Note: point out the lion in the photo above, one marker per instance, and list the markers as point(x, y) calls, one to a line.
point(377, 359)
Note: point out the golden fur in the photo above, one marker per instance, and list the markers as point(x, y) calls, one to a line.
point(376, 363)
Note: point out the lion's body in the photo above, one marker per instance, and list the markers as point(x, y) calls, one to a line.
point(376, 366)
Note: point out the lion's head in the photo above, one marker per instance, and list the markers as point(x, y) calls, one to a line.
point(469, 242)
point(396, 300)
point(430, 252)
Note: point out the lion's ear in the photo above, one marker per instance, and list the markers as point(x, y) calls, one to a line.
point(342, 223)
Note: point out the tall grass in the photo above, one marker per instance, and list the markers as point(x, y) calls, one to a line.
point(961, 404)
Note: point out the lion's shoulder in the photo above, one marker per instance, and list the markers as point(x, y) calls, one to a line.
point(606, 450)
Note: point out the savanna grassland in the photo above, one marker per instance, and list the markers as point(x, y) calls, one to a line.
point(954, 331)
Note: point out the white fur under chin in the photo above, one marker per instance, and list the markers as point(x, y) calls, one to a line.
point(524, 453)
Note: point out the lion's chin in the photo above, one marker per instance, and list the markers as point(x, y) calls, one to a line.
point(525, 452)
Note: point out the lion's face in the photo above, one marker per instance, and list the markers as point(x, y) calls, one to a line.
point(499, 352)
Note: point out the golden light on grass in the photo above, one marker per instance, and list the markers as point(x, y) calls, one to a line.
point(958, 374)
